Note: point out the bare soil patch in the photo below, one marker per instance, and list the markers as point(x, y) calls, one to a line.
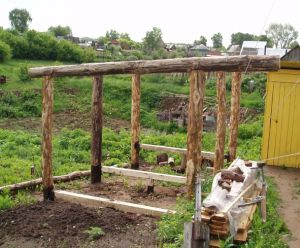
point(62, 224)
point(64, 119)
point(132, 190)
point(288, 182)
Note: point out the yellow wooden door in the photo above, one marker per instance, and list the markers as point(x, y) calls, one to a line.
point(281, 134)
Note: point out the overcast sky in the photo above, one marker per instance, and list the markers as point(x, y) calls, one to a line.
point(179, 20)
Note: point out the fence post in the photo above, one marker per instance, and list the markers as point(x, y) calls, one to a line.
point(195, 126)
point(47, 121)
point(234, 114)
point(221, 122)
point(97, 123)
point(135, 120)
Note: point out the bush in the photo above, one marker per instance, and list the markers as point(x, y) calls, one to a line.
point(89, 55)
point(68, 51)
point(5, 51)
point(23, 73)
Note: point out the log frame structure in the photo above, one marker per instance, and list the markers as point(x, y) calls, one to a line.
point(197, 67)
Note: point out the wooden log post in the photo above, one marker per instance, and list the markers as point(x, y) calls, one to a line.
point(234, 114)
point(47, 121)
point(135, 121)
point(195, 126)
point(97, 123)
point(221, 122)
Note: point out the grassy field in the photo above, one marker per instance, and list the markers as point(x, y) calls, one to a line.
point(19, 150)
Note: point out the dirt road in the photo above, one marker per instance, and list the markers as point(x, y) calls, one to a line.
point(288, 181)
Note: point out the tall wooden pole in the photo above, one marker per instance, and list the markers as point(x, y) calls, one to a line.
point(221, 122)
point(234, 114)
point(135, 120)
point(195, 126)
point(97, 123)
point(47, 121)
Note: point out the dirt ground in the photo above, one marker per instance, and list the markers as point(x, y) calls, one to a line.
point(131, 190)
point(288, 181)
point(67, 119)
point(63, 224)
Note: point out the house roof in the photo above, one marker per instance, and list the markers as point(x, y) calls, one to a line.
point(254, 44)
point(293, 54)
point(234, 49)
point(200, 47)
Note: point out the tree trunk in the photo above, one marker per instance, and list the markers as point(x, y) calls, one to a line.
point(221, 122)
point(97, 123)
point(234, 114)
point(135, 121)
point(47, 121)
point(195, 126)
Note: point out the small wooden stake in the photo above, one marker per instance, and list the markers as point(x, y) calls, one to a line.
point(47, 121)
point(221, 121)
point(195, 126)
point(263, 204)
point(234, 114)
point(97, 123)
point(135, 121)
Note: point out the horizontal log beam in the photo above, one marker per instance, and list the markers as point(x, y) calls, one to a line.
point(204, 154)
point(144, 174)
point(220, 63)
point(94, 201)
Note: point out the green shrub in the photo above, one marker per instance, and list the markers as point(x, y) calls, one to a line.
point(89, 55)
point(23, 73)
point(68, 51)
point(5, 51)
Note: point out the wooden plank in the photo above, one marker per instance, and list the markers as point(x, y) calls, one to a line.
point(47, 122)
point(221, 63)
point(93, 201)
point(144, 174)
point(221, 122)
point(204, 154)
point(135, 120)
point(97, 123)
point(234, 114)
point(195, 126)
point(214, 243)
point(235, 201)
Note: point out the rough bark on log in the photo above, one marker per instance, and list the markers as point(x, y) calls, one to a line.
point(47, 121)
point(221, 63)
point(221, 121)
point(135, 120)
point(97, 123)
point(39, 181)
point(234, 114)
point(195, 126)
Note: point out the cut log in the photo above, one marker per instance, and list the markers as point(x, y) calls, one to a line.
point(135, 120)
point(97, 123)
point(222, 63)
point(234, 114)
point(195, 126)
point(36, 182)
point(47, 122)
point(221, 122)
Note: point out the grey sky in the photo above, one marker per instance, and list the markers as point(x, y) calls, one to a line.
point(180, 20)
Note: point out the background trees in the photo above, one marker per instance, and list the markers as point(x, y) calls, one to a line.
point(19, 19)
point(60, 30)
point(153, 40)
point(217, 40)
point(282, 35)
point(5, 51)
point(202, 40)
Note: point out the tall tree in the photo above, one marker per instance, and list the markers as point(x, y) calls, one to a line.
point(282, 35)
point(153, 39)
point(19, 19)
point(217, 40)
point(239, 38)
point(112, 35)
point(60, 30)
point(202, 40)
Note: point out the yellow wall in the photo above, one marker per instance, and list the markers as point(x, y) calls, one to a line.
point(281, 134)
